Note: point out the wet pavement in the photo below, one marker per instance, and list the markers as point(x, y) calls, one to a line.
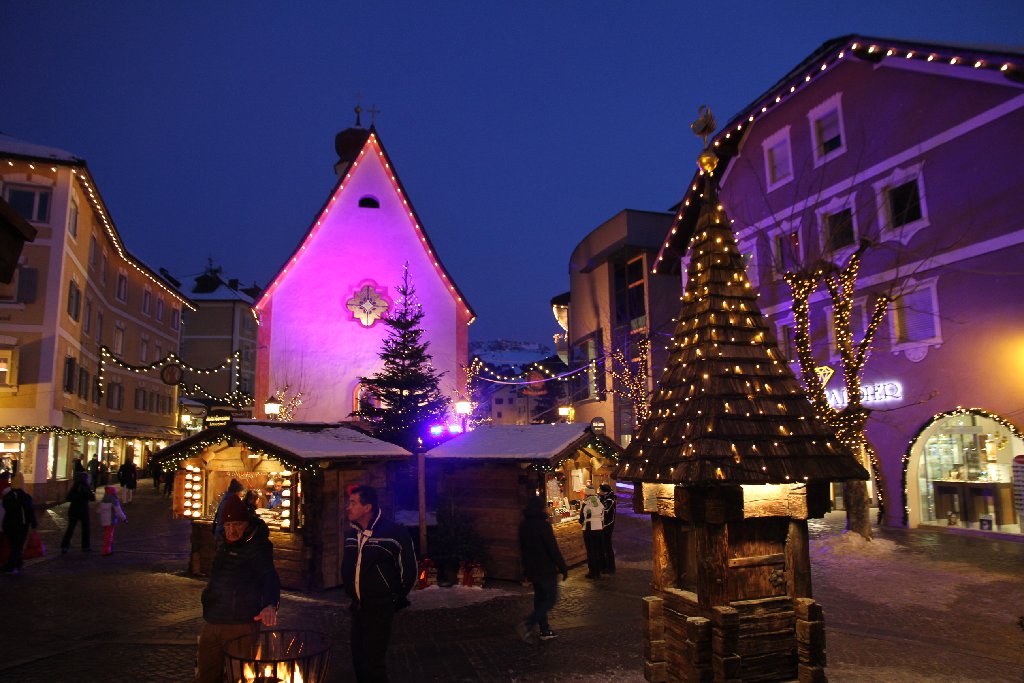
point(933, 606)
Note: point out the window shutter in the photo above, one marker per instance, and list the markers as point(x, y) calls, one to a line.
point(918, 316)
point(28, 279)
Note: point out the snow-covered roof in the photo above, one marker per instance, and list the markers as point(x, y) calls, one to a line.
point(12, 145)
point(222, 293)
point(512, 442)
point(293, 442)
point(320, 441)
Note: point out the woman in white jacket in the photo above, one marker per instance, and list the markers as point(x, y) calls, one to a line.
point(110, 511)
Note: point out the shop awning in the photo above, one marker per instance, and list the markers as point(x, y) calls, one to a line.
point(523, 443)
point(296, 443)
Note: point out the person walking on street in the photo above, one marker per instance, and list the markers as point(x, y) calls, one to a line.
point(378, 569)
point(19, 517)
point(154, 471)
point(79, 496)
point(128, 477)
point(542, 563)
point(592, 521)
point(607, 551)
point(244, 589)
point(168, 481)
point(94, 472)
point(109, 511)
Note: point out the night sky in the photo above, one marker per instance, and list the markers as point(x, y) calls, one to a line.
point(516, 127)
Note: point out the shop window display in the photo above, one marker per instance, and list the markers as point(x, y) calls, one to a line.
point(565, 485)
point(966, 475)
point(273, 494)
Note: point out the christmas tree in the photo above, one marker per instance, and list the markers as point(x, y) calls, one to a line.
point(404, 395)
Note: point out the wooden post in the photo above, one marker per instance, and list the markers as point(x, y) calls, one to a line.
point(421, 489)
point(712, 564)
point(798, 560)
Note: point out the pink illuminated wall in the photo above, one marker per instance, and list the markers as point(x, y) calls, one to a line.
point(310, 340)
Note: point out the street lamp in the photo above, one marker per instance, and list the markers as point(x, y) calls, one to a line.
point(563, 413)
point(272, 407)
point(463, 409)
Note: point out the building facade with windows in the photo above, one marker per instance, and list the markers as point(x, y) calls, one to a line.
point(220, 337)
point(912, 150)
point(615, 304)
point(80, 323)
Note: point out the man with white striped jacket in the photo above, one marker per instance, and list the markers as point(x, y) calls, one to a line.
point(378, 570)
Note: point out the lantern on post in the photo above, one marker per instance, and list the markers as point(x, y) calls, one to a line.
point(272, 408)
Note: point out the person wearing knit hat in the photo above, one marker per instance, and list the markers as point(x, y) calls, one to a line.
point(244, 589)
point(19, 517)
point(110, 511)
point(234, 490)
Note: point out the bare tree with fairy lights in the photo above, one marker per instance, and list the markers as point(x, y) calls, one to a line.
point(405, 396)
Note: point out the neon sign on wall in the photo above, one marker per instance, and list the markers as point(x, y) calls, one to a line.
point(879, 392)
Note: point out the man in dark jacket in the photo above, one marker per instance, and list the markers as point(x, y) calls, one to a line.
point(542, 563)
point(19, 517)
point(128, 478)
point(79, 498)
point(378, 569)
point(243, 591)
point(607, 551)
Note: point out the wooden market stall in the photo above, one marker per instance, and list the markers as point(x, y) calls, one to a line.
point(298, 473)
point(489, 473)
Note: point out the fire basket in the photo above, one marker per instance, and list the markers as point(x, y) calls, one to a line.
point(286, 656)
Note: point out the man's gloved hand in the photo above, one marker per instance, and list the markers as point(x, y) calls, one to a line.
point(565, 575)
point(401, 603)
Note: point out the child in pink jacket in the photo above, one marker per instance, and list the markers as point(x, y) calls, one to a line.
point(109, 511)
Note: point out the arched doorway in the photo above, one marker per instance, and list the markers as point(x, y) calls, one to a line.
point(959, 471)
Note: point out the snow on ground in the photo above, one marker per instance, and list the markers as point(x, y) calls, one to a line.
point(868, 568)
point(435, 597)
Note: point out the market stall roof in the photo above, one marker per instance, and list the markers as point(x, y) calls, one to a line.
point(545, 442)
point(292, 442)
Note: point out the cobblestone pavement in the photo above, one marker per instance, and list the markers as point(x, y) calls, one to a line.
point(135, 616)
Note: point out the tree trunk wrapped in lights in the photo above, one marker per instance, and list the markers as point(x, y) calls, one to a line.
point(731, 464)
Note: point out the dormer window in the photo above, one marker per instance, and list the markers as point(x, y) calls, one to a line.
point(828, 136)
point(369, 202)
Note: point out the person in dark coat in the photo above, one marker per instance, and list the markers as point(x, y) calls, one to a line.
point(542, 563)
point(607, 497)
point(94, 472)
point(128, 477)
point(154, 470)
point(80, 495)
point(19, 517)
point(244, 589)
point(235, 489)
point(378, 569)
point(168, 481)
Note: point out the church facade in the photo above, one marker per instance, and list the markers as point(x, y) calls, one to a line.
point(320, 318)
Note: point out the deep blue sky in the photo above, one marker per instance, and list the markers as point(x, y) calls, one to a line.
point(516, 127)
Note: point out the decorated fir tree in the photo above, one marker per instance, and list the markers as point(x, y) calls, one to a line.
point(404, 395)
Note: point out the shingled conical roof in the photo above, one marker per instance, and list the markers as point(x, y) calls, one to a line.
point(728, 409)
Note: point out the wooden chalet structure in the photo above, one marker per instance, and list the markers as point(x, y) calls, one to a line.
point(491, 472)
point(731, 464)
point(309, 464)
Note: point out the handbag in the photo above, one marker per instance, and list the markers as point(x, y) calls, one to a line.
point(34, 547)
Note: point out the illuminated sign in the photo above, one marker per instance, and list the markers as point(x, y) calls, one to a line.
point(879, 392)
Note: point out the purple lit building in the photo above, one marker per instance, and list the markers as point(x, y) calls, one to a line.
point(916, 148)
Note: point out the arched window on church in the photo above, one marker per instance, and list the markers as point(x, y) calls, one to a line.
point(369, 202)
point(363, 399)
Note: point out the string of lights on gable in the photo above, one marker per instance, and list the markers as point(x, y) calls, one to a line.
point(373, 144)
point(478, 367)
point(865, 50)
point(96, 202)
point(177, 457)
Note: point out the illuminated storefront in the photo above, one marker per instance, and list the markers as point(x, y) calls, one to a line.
point(961, 472)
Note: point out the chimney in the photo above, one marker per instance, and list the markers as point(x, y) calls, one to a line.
point(233, 283)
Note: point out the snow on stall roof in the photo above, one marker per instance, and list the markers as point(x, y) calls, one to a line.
point(321, 441)
point(12, 145)
point(511, 442)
